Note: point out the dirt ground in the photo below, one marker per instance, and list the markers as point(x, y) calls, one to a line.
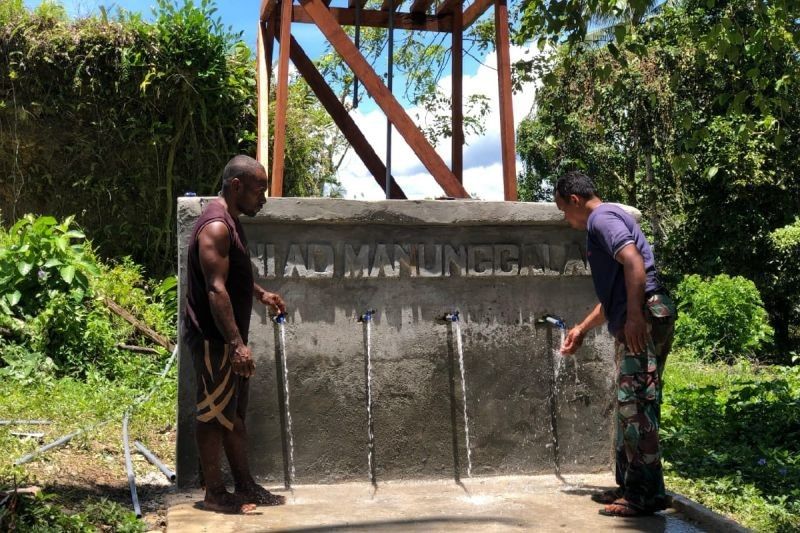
point(90, 469)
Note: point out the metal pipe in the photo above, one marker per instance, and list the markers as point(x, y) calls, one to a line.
point(553, 320)
point(23, 422)
point(66, 438)
point(154, 460)
point(129, 467)
point(358, 44)
point(55, 444)
point(389, 79)
point(27, 435)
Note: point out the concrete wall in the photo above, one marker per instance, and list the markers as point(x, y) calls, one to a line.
point(502, 266)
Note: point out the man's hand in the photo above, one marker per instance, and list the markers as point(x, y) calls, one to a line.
point(242, 360)
point(636, 334)
point(575, 336)
point(573, 341)
point(273, 301)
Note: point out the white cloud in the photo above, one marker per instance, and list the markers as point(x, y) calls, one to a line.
point(482, 161)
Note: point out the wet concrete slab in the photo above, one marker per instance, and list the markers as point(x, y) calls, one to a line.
point(490, 504)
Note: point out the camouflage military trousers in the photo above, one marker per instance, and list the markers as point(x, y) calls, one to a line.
point(638, 453)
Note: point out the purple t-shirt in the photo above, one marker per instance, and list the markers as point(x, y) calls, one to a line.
point(610, 229)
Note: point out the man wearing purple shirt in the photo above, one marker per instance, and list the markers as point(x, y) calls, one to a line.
point(641, 318)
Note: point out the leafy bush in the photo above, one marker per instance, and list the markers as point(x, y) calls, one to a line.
point(53, 313)
point(41, 513)
point(731, 440)
point(784, 282)
point(23, 365)
point(721, 318)
point(40, 258)
point(111, 118)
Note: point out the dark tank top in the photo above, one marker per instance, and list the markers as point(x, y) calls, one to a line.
point(199, 321)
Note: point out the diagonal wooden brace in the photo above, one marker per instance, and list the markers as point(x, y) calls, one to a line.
point(341, 42)
point(341, 117)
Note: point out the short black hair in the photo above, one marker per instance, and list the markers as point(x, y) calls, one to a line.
point(577, 183)
point(239, 165)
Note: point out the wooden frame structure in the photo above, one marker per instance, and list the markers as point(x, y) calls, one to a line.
point(275, 20)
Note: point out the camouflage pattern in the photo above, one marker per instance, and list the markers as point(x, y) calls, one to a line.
point(639, 390)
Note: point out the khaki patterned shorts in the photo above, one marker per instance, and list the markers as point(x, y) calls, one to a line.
point(221, 394)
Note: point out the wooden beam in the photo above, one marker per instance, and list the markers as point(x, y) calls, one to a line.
point(138, 324)
point(383, 97)
point(474, 11)
point(504, 92)
point(457, 98)
point(342, 118)
point(263, 50)
point(281, 101)
point(352, 3)
point(267, 7)
point(447, 7)
point(372, 18)
point(421, 6)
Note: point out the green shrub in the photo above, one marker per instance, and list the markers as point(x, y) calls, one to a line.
point(42, 513)
point(731, 439)
point(112, 117)
point(23, 365)
point(39, 258)
point(53, 313)
point(721, 318)
point(784, 282)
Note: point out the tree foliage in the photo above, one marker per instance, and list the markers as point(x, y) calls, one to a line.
point(112, 118)
point(314, 145)
point(721, 318)
point(692, 116)
point(53, 316)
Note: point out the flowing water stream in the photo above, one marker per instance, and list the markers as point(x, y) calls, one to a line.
point(281, 321)
point(460, 348)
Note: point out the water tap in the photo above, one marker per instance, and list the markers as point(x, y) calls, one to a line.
point(451, 317)
point(280, 318)
point(367, 316)
point(553, 320)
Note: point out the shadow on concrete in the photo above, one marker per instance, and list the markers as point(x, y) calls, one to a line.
point(404, 525)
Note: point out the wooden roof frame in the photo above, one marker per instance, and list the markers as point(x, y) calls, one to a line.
point(275, 20)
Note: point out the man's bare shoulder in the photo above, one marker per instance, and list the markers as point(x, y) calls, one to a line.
point(216, 229)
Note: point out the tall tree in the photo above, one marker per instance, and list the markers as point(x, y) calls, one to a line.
point(694, 118)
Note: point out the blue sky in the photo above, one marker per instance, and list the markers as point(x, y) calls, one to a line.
point(482, 169)
point(241, 15)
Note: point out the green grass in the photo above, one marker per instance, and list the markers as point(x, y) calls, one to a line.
point(731, 438)
point(95, 456)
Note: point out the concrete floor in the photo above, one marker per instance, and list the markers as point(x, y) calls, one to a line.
point(510, 503)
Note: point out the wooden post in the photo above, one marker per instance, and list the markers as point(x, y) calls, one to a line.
point(475, 10)
point(264, 71)
point(342, 118)
point(341, 42)
point(281, 101)
point(506, 111)
point(457, 98)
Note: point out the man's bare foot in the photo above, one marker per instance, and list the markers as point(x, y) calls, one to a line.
point(227, 503)
point(255, 493)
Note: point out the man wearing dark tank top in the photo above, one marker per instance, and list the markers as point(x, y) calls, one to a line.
point(221, 289)
point(641, 318)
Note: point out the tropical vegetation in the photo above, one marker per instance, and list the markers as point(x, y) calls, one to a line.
point(686, 109)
